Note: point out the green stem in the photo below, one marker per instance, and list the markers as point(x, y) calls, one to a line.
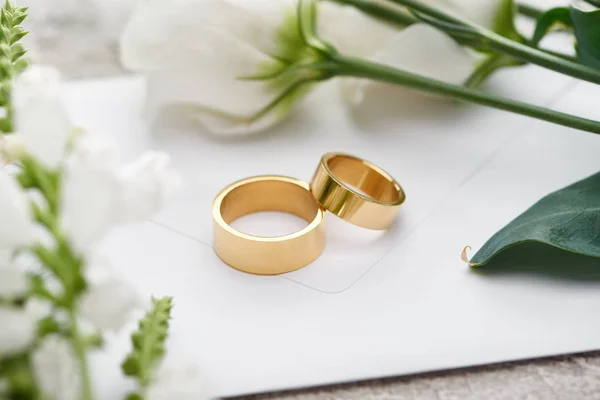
point(541, 58)
point(475, 39)
point(567, 57)
point(80, 352)
point(354, 67)
point(417, 5)
point(529, 11)
point(492, 41)
point(381, 12)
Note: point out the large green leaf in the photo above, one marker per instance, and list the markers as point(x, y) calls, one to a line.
point(568, 219)
point(587, 32)
point(549, 21)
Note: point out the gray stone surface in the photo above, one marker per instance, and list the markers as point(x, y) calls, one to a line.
point(80, 37)
point(560, 378)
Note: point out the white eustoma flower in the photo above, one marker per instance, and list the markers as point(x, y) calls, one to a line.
point(17, 228)
point(195, 52)
point(419, 48)
point(110, 302)
point(18, 330)
point(39, 114)
point(56, 370)
point(98, 194)
point(178, 381)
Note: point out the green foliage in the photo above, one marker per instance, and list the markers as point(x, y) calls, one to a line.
point(587, 32)
point(12, 51)
point(48, 326)
point(568, 219)
point(552, 19)
point(488, 67)
point(18, 375)
point(292, 66)
point(584, 24)
point(148, 342)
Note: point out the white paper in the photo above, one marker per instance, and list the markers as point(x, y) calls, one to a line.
point(374, 304)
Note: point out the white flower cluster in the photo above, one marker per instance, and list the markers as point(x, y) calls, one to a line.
point(95, 195)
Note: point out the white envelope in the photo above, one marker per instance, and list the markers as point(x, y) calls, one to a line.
point(373, 305)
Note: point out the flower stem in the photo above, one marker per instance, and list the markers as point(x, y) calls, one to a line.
point(354, 67)
point(542, 58)
point(479, 38)
point(529, 11)
point(80, 352)
point(484, 39)
point(381, 12)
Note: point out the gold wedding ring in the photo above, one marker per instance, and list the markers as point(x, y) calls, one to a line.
point(268, 255)
point(335, 185)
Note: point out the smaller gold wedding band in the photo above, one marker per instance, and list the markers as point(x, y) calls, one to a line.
point(333, 186)
point(268, 255)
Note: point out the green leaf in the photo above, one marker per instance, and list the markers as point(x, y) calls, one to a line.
point(11, 56)
point(149, 342)
point(587, 32)
point(93, 341)
point(549, 21)
point(48, 326)
point(568, 219)
point(488, 67)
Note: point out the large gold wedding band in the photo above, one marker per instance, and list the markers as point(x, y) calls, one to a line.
point(268, 255)
point(335, 185)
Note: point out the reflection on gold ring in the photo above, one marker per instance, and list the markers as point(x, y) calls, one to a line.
point(268, 255)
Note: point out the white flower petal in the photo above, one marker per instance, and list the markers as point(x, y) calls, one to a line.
point(351, 31)
point(17, 227)
point(583, 5)
point(110, 306)
point(38, 308)
point(147, 185)
point(176, 45)
point(110, 302)
point(422, 50)
point(56, 370)
point(91, 193)
point(40, 115)
point(12, 147)
point(18, 331)
point(481, 12)
point(214, 98)
point(186, 34)
point(14, 283)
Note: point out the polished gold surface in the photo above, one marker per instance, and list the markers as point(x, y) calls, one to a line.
point(268, 255)
point(339, 181)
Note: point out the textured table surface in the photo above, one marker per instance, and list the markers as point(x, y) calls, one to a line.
point(80, 38)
